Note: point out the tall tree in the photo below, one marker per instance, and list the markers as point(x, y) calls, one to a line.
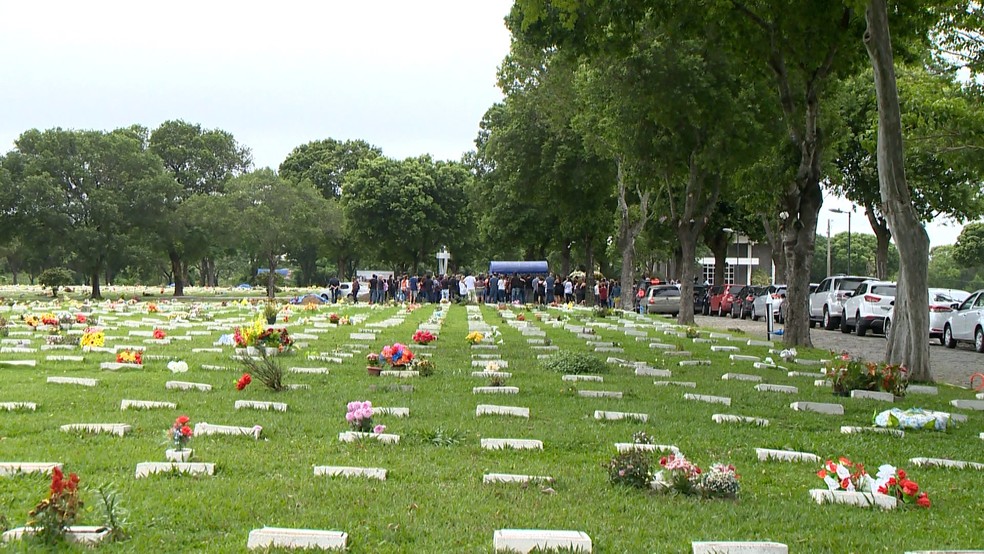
point(201, 161)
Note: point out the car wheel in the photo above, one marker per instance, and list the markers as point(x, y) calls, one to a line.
point(828, 322)
point(979, 340)
point(943, 342)
point(843, 324)
point(888, 330)
point(755, 316)
point(720, 312)
point(948, 338)
point(859, 326)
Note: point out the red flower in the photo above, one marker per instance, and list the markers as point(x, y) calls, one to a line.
point(822, 473)
point(845, 462)
point(883, 490)
point(923, 501)
point(243, 381)
point(73, 482)
point(159, 334)
point(182, 420)
point(845, 483)
point(56, 481)
point(186, 431)
point(909, 488)
point(901, 474)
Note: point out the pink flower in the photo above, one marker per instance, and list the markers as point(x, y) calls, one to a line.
point(349, 417)
point(379, 429)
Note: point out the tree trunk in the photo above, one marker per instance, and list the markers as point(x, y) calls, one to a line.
point(565, 259)
point(96, 293)
point(774, 239)
point(272, 277)
point(883, 236)
point(589, 279)
point(718, 242)
point(908, 344)
point(688, 246)
point(628, 231)
point(176, 271)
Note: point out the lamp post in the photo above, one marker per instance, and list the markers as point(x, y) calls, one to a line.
point(734, 278)
point(839, 211)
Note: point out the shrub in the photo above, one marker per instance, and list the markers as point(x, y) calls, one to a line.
point(631, 468)
point(265, 370)
point(55, 277)
point(574, 363)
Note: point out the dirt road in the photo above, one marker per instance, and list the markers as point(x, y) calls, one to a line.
point(948, 366)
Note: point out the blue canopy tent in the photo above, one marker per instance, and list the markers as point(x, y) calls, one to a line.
point(509, 268)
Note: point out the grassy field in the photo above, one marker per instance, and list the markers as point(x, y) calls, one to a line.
point(433, 499)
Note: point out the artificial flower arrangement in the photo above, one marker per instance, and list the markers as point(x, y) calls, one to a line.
point(152, 308)
point(424, 367)
point(54, 338)
point(423, 337)
point(847, 374)
point(474, 337)
point(180, 433)
point(681, 476)
point(159, 334)
point(521, 317)
point(52, 517)
point(275, 338)
point(692, 332)
point(345, 320)
point(359, 417)
point(333, 318)
point(492, 366)
point(372, 359)
point(81, 318)
point(845, 475)
point(244, 381)
point(247, 336)
point(50, 319)
point(93, 337)
point(397, 355)
point(129, 357)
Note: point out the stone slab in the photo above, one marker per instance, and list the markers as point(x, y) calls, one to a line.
point(652, 372)
point(205, 429)
point(83, 381)
point(616, 416)
point(849, 430)
point(118, 429)
point(30, 363)
point(259, 405)
point(575, 378)
point(184, 385)
point(495, 390)
point(729, 418)
point(768, 343)
point(708, 398)
point(767, 454)
point(13, 406)
point(145, 469)
point(662, 346)
point(718, 348)
point(400, 374)
point(818, 407)
point(599, 394)
point(873, 395)
point(116, 366)
point(803, 374)
point(280, 537)
point(80, 534)
point(356, 436)
point(504, 364)
point(392, 411)
point(741, 377)
point(965, 404)
point(922, 389)
point(861, 499)
point(492, 478)
point(632, 446)
point(309, 370)
point(16, 468)
point(516, 444)
point(491, 409)
point(738, 547)
point(490, 374)
point(743, 358)
point(940, 462)
point(346, 471)
point(694, 362)
point(526, 540)
point(685, 384)
point(768, 387)
point(362, 336)
point(126, 404)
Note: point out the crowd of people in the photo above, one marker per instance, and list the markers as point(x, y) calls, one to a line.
point(492, 289)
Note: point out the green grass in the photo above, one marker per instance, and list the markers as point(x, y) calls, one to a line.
point(434, 499)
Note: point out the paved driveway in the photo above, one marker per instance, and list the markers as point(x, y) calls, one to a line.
point(948, 366)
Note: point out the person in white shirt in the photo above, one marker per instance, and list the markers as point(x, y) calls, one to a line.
point(469, 282)
point(568, 290)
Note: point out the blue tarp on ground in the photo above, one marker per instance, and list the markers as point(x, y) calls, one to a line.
point(519, 267)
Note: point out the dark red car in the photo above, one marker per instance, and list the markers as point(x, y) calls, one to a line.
point(721, 299)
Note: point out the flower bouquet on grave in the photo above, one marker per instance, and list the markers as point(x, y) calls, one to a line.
point(520, 317)
point(474, 337)
point(397, 355)
point(275, 340)
point(345, 320)
point(52, 517)
point(692, 332)
point(246, 337)
point(92, 337)
point(788, 354)
point(491, 367)
point(54, 337)
point(681, 476)
point(895, 482)
point(270, 311)
point(129, 357)
point(423, 337)
point(642, 437)
point(847, 374)
point(50, 320)
point(244, 381)
point(372, 359)
point(152, 308)
point(159, 334)
point(845, 475)
point(424, 367)
point(179, 435)
point(359, 417)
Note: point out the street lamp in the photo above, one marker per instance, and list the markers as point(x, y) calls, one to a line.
point(839, 211)
point(734, 277)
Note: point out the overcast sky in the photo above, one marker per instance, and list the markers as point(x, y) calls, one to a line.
point(409, 77)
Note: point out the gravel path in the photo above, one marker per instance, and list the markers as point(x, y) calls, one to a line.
point(948, 366)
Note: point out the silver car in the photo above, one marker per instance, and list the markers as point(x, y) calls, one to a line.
point(663, 299)
point(773, 294)
point(942, 302)
point(966, 323)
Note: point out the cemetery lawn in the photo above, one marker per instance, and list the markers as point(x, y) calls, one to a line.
point(433, 499)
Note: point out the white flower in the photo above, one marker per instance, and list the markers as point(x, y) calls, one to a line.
point(256, 432)
point(178, 367)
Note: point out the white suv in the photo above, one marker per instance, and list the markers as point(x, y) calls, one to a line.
point(867, 307)
point(826, 303)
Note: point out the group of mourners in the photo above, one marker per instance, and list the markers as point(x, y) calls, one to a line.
point(492, 289)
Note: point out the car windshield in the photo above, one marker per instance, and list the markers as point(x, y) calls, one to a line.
point(848, 284)
point(883, 290)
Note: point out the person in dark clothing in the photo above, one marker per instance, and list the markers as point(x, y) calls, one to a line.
point(355, 290)
point(333, 286)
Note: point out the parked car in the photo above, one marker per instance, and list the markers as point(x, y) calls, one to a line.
point(867, 307)
point(941, 303)
point(771, 294)
point(827, 303)
point(663, 299)
point(345, 291)
point(700, 297)
point(741, 303)
point(720, 299)
point(966, 323)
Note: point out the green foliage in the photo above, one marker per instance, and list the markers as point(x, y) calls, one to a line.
point(425, 367)
point(114, 515)
point(969, 249)
point(574, 363)
point(265, 369)
point(631, 468)
point(442, 436)
point(56, 277)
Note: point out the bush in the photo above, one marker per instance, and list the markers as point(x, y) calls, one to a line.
point(56, 277)
point(631, 468)
point(574, 363)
